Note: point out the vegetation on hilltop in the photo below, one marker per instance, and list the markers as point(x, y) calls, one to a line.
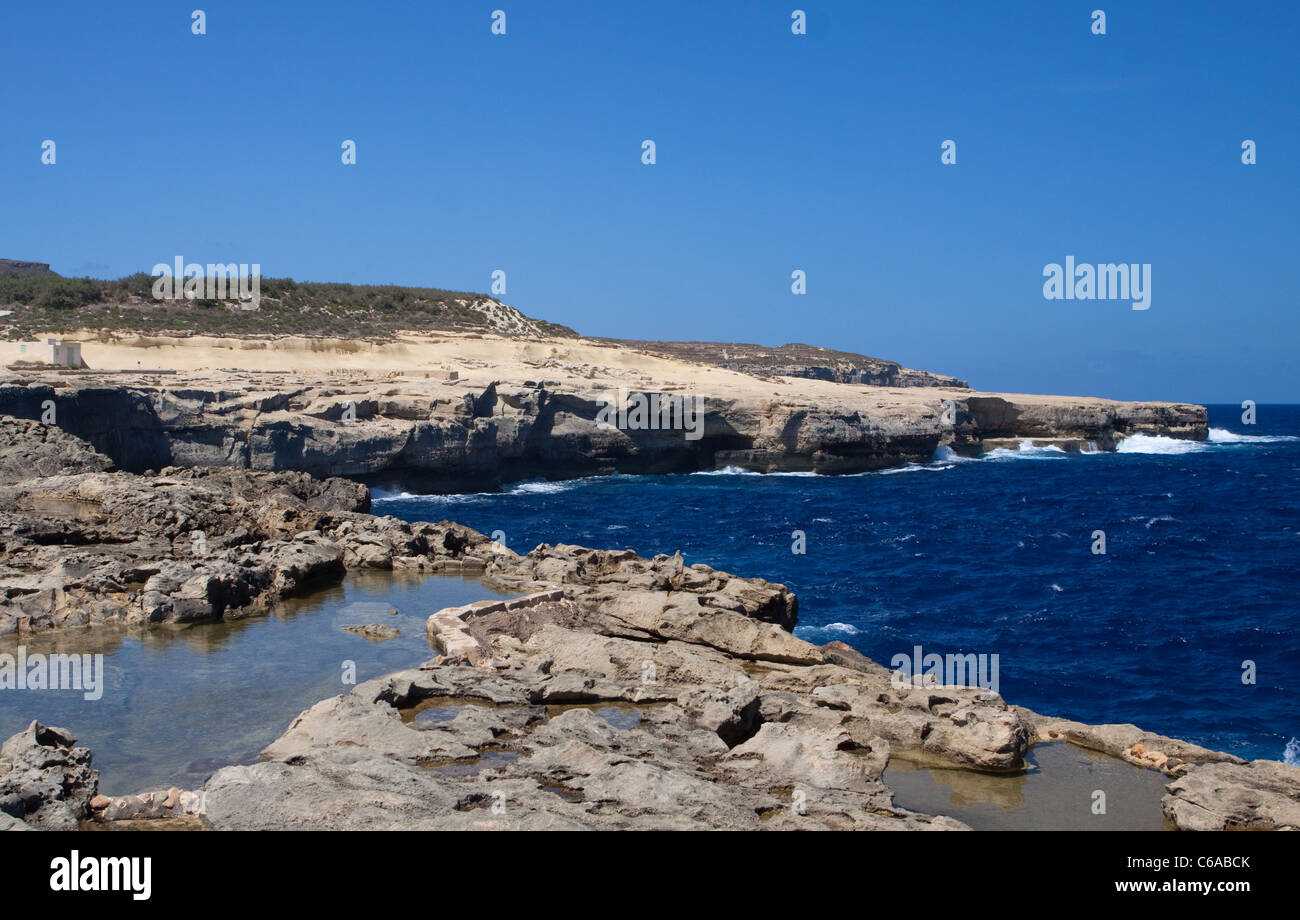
point(52, 303)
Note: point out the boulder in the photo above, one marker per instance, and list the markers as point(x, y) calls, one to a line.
point(45, 780)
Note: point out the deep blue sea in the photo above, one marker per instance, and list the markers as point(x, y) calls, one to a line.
point(995, 555)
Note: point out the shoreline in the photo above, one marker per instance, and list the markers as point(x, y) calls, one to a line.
point(447, 413)
point(825, 692)
point(605, 606)
point(737, 717)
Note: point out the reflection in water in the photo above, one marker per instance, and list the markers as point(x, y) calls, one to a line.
point(181, 701)
point(435, 709)
point(1057, 792)
point(488, 760)
point(623, 716)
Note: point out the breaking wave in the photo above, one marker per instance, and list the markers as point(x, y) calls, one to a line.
point(1224, 436)
point(1026, 451)
point(528, 487)
point(1218, 437)
point(727, 471)
point(1157, 444)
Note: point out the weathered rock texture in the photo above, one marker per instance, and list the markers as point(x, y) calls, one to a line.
point(31, 448)
point(624, 699)
point(641, 694)
point(1261, 795)
point(609, 703)
point(83, 545)
point(1128, 742)
point(496, 425)
point(45, 781)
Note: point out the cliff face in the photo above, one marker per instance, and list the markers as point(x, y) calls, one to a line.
point(16, 267)
point(474, 433)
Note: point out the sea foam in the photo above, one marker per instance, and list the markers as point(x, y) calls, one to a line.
point(1157, 444)
point(1224, 436)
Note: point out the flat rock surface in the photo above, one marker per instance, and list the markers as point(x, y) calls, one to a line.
point(1261, 795)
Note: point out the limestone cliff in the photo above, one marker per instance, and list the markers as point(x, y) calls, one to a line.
point(496, 425)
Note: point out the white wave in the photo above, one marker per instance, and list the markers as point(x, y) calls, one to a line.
point(532, 487)
point(846, 628)
point(543, 487)
point(820, 633)
point(1291, 753)
point(454, 498)
point(1224, 436)
point(435, 499)
point(727, 471)
point(1057, 588)
point(1027, 451)
point(741, 471)
point(1157, 444)
point(944, 458)
point(945, 454)
point(379, 495)
point(917, 468)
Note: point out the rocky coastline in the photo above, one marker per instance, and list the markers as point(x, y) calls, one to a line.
point(612, 692)
point(480, 427)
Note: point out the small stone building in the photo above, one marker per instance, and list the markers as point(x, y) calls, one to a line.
point(49, 351)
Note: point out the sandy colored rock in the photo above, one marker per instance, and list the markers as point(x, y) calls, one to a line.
point(1260, 795)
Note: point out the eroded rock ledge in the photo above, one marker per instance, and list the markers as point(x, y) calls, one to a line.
point(559, 710)
point(554, 711)
point(498, 424)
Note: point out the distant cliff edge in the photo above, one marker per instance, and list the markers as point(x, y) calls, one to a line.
point(31, 269)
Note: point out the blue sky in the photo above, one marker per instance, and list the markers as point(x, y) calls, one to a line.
point(776, 152)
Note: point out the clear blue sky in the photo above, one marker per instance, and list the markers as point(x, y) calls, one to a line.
point(775, 152)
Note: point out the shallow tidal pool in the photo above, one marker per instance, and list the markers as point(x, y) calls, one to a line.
point(1057, 792)
point(181, 701)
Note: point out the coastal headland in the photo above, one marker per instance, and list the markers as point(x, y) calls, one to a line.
point(186, 479)
point(460, 412)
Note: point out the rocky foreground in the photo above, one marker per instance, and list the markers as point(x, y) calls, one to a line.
point(613, 692)
point(626, 693)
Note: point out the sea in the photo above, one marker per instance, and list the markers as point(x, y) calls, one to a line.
point(1155, 585)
